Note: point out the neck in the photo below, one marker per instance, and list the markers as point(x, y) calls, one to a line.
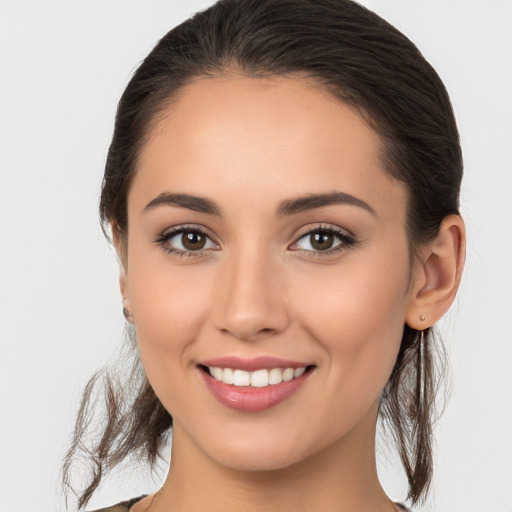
point(340, 478)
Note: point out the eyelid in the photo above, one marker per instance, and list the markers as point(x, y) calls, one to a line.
point(345, 236)
point(322, 226)
point(173, 231)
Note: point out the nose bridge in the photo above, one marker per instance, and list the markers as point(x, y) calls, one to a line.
point(250, 304)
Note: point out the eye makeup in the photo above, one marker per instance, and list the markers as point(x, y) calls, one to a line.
point(195, 241)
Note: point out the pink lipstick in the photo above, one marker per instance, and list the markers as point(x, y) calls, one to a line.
point(252, 385)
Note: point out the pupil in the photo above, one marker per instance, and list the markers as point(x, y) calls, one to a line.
point(193, 241)
point(322, 241)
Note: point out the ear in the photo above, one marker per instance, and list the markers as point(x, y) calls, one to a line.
point(121, 249)
point(438, 274)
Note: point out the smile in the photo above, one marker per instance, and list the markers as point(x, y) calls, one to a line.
point(257, 379)
point(256, 384)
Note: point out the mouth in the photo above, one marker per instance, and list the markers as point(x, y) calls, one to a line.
point(257, 379)
point(248, 386)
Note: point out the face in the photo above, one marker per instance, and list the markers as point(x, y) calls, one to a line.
point(263, 235)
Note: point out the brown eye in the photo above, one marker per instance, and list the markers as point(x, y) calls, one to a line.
point(324, 240)
point(193, 240)
point(321, 240)
point(186, 241)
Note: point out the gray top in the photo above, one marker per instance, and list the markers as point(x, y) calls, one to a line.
point(125, 506)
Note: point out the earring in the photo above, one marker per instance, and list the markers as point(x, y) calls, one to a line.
point(421, 392)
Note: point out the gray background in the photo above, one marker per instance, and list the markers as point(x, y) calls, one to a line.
point(63, 66)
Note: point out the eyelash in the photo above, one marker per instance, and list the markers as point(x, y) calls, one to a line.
point(172, 232)
point(346, 240)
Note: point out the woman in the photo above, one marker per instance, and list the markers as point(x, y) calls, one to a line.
point(282, 190)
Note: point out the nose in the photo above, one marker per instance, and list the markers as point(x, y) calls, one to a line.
point(249, 303)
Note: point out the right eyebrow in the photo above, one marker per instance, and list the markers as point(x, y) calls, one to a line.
point(195, 203)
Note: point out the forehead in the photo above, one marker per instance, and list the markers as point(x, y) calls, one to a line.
point(267, 137)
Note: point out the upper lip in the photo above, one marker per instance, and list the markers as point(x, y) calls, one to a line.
point(249, 365)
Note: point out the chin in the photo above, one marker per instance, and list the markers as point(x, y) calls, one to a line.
point(258, 460)
point(256, 452)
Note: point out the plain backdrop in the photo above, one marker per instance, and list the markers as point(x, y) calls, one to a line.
point(63, 66)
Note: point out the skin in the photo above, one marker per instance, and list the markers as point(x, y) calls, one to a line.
point(260, 288)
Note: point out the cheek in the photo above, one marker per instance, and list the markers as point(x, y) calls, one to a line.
point(169, 307)
point(166, 307)
point(356, 312)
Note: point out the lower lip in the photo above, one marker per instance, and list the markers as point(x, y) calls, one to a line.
point(252, 399)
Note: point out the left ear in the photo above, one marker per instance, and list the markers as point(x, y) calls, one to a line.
point(437, 275)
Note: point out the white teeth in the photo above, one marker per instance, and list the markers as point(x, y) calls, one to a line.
point(275, 376)
point(217, 373)
point(258, 378)
point(288, 374)
point(298, 372)
point(241, 378)
point(228, 376)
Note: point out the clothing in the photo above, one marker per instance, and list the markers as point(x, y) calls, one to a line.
point(124, 506)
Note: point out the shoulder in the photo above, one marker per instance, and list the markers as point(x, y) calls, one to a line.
point(123, 506)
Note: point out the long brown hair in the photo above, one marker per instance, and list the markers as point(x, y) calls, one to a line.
point(363, 61)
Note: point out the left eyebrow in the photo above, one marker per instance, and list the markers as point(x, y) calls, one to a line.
point(312, 201)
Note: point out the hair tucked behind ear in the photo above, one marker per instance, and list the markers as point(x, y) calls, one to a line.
point(363, 61)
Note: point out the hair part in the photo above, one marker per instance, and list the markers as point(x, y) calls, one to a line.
point(364, 62)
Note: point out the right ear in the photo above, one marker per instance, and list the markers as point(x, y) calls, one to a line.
point(120, 245)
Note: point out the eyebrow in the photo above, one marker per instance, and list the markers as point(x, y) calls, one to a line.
point(312, 201)
point(195, 203)
point(286, 208)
